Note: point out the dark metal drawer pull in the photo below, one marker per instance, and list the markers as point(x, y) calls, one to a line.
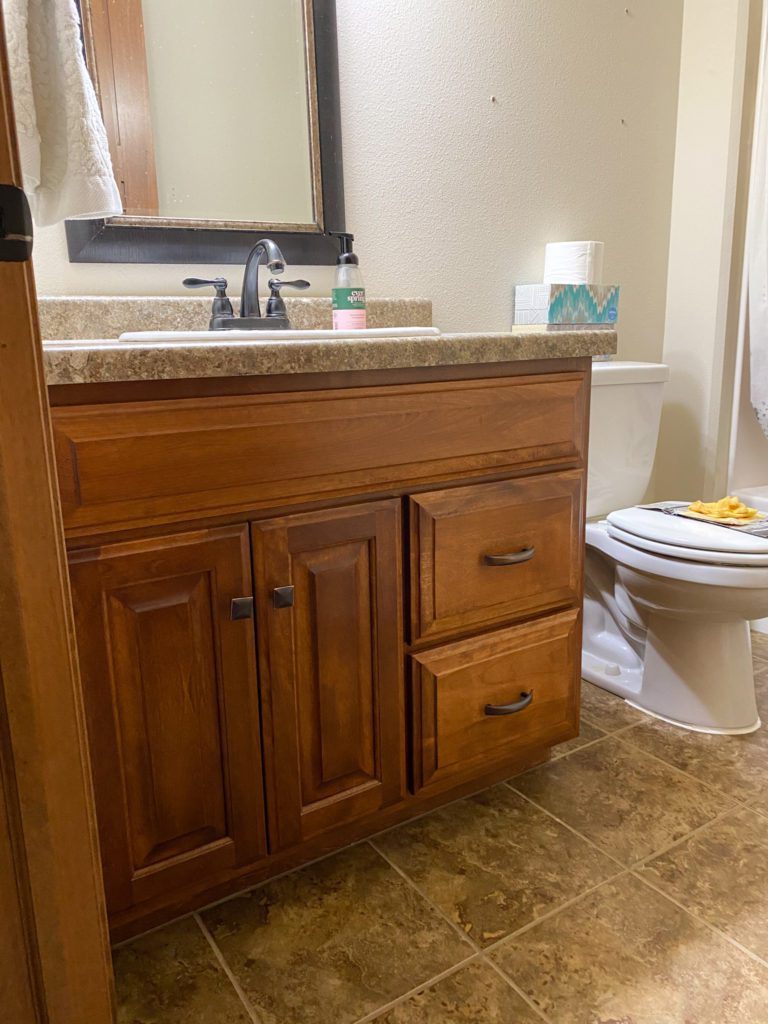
point(510, 709)
point(511, 559)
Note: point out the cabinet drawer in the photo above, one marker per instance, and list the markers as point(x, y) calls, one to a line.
point(492, 552)
point(456, 736)
point(134, 462)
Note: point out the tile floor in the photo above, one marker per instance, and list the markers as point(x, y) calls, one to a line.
point(624, 882)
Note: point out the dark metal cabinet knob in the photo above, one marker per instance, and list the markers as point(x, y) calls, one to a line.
point(241, 608)
point(282, 597)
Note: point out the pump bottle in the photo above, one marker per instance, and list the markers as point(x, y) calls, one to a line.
point(348, 293)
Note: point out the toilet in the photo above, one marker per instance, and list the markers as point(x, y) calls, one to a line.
point(667, 601)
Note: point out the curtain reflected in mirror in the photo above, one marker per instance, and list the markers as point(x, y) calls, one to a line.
point(210, 109)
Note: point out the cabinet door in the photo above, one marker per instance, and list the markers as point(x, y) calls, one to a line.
point(172, 709)
point(331, 666)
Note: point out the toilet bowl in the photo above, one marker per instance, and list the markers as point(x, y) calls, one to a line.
point(670, 633)
point(668, 600)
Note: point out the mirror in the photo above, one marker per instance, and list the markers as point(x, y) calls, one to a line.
point(222, 121)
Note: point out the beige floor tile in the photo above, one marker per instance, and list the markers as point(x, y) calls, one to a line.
point(737, 765)
point(494, 862)
point(588, 733)
point(605, 710)
point(172, 976)
point(627, 955)
point(721, 874)
point(629, 805)
point(473, 995)
point(333, 941)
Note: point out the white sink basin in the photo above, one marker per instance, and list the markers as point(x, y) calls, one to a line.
point(271, 337)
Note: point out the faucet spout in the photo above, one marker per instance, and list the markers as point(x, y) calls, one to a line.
point(267, 251)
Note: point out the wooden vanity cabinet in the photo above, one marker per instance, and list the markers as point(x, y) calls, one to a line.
point(401, 556)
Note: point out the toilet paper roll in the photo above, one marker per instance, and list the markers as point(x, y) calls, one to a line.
point(573, 263)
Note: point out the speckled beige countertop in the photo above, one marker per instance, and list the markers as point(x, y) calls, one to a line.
point(85, 353)
point(82, 317)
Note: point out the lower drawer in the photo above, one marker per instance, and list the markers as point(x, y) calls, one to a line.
point(480, 702)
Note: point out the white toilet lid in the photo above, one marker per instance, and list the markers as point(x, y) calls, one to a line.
point(679, 537)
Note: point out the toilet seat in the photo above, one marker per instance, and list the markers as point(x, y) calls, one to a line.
point(687, 539)
point(687, 554)
point(686, 569)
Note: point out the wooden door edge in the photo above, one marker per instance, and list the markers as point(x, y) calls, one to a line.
point(54, 956)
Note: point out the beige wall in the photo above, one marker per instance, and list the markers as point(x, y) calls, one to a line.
point(452, 195)
point(706, 240)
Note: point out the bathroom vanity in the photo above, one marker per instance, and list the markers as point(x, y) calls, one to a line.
point(311, 603)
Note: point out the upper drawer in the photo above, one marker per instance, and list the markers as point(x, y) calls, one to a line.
point(125, 463)
point(490, 552)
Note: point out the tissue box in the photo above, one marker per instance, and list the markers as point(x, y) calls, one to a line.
point(595, 304)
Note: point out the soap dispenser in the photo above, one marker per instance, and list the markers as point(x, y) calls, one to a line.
point(348, 293)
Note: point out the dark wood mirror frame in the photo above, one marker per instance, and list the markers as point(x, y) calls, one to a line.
point(112, 241)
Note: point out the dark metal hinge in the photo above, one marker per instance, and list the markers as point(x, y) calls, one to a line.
point(15, 225)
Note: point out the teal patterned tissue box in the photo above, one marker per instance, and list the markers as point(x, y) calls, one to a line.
point(595, 304)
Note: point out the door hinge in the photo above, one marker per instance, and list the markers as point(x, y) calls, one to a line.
point(15, 225)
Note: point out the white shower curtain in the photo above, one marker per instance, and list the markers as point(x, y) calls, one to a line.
point(757, 246)
point(66, 167)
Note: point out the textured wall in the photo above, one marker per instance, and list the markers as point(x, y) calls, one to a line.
point(452, 195)
point(699, 338)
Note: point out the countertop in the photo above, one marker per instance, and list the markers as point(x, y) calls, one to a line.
point(77, 358)
point(84, 362)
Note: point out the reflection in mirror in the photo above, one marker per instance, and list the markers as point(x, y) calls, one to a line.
point(210, 109)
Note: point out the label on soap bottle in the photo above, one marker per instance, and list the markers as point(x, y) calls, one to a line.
point(348, 309)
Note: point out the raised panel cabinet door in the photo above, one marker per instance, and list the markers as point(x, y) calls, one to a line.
point(172, 709)
point(331, 657)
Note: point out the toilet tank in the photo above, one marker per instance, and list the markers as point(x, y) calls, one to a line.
point(623, 431)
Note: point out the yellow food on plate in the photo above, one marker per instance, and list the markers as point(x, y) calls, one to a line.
point(727, 508)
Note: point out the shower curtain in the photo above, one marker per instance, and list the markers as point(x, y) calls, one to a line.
point(65, 161)
point(757, 245)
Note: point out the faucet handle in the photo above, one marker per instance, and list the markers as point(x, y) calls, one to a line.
point(221, 304)
point(275, 285)
point(219, 283)
point(275, 304)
